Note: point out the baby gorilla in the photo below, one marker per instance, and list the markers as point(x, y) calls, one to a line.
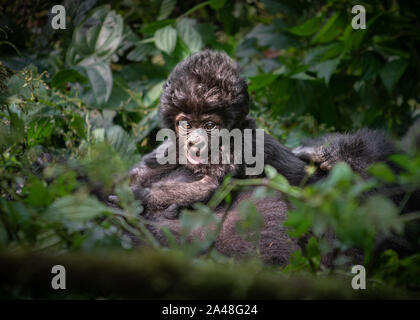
point(204, 96)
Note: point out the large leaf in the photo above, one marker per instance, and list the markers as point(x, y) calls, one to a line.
point(121, 96)
point(140, 51)
point(166, 8)
point(75, 208)
point(189, 35)
point(325, 69)
point(330, 30)
point(100, 79)
point(392, 72)
point(217, 4)
point(308, 28)
point(165, 39)
point(65, 76)
point(262, 81)
point(100, 34)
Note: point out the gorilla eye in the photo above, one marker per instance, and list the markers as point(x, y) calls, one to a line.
point(184, 125)
point(209, 125)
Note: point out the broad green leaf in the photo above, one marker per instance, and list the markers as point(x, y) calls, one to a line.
point(323, 52)
point(153, 94)
point(121, 97)
point(165, 39)
point(75, 208)
point(100, 34)
point(166, 8)
point(330, 30)
point(67, 75)
point(308, 28)
point(151, 28)
point(100, 79)
point(382, 213)
point(140, 51)
point(392, 72)
point(120, 141)
point(189, 35)
point(262, 81)
point(326, 69)
point(383, 172)
point(217, 4)
point(146, 125)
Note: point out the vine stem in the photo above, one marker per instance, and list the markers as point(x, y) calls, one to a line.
point(195, 8)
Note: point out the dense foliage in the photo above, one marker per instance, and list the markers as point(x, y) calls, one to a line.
point(78, 107)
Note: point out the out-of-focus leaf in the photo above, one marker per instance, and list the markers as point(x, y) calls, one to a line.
point(151, 28)
point(165, 39)
point(330, 30)
point(383, 172)
point(308, 28)
point(153, 94)
point(383, 214)
point(189, 35)
point(100, 80)
point(120, 141)
point(100, 34)
point(146, 125)
point(217, 4)
point(262, 81)
point(121, 97)
point(324, 52)
point(166, 8)
point(40, 130)
point(75, 208)
point(325, 69)
point(67, 75)
point(392, 72)
point(140, 51)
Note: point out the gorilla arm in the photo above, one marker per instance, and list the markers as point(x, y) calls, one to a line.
point(359, 149)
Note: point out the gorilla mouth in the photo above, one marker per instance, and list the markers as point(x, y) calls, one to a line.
point(196, 156)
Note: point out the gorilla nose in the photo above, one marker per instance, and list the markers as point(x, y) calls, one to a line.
point(193, 141)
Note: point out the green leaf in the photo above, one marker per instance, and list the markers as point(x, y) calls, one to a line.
point(40, 130)
point(383, 172)
point(62, 77)
point(75, 208)
point(383, 214)
point(262, 81)
point(100, 34)
point(140, 51)
point(189, 35)
point(100, 79)
point(392, 72)
point(330, 30)
point(326, 69)
point(217, 4)
point(151, 28)
point(166, 8)
point(323, 52)
point(165, 39)
point(121, 97)
point(308, 28)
